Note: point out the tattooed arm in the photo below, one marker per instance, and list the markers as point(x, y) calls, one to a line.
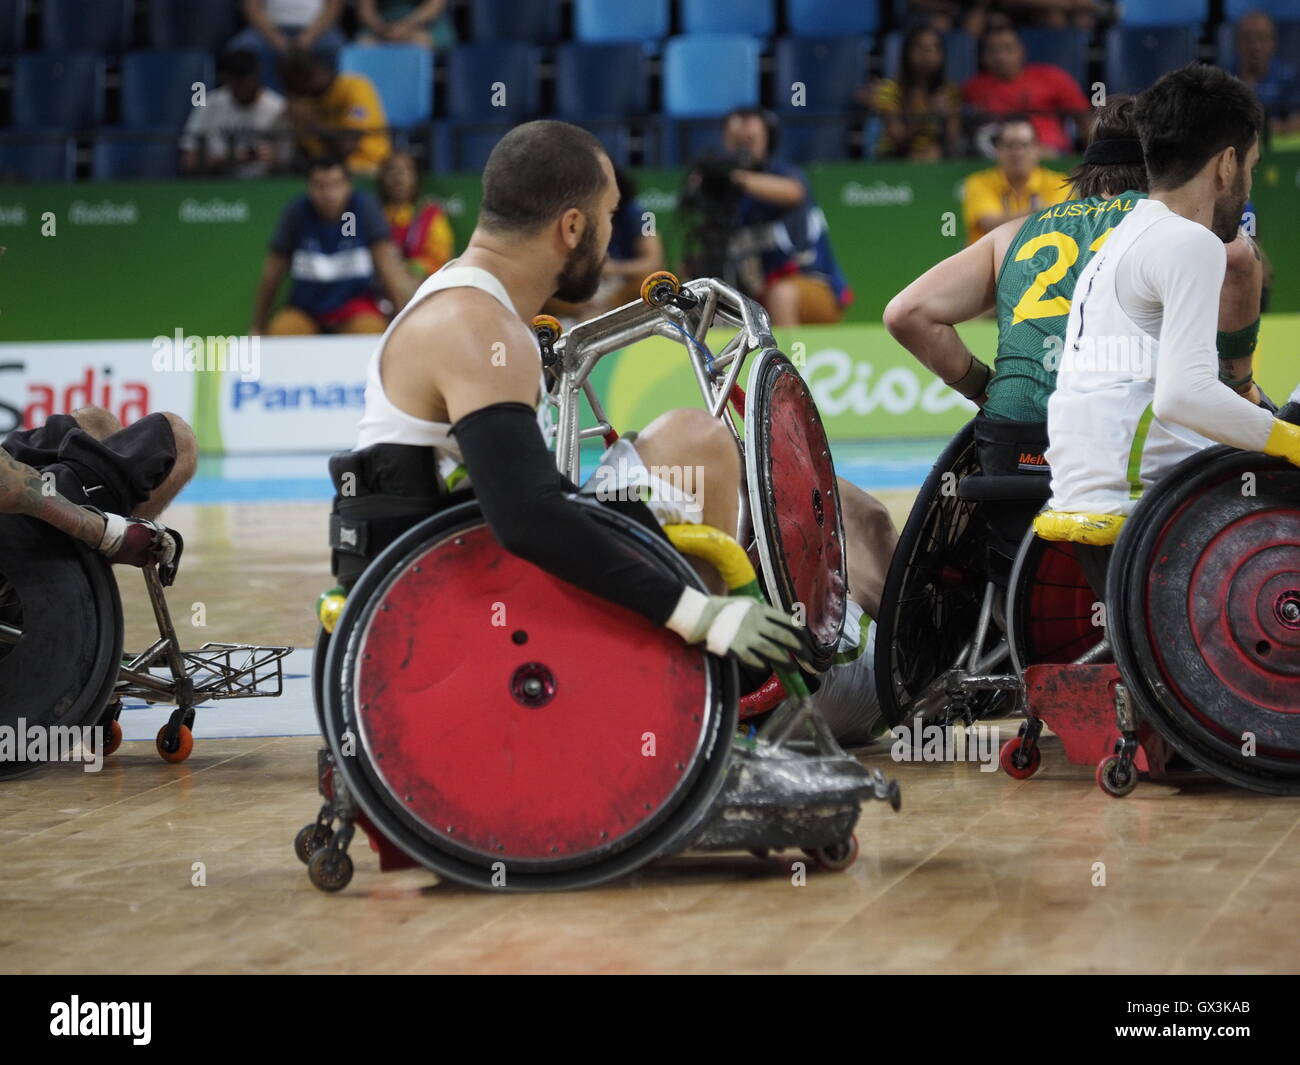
point(22, 491)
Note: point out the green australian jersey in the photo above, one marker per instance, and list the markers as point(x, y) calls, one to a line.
point(1034, 289)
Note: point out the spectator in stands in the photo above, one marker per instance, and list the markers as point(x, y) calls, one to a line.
point(635, 250)
point(921, 112)
point(406, 22)
point(284, 25)
point(1274, 80)
point(419, 227)
point(335, 113)
point(334, 245)
point(1008, 85)
point(242, 126)
point(1054, 14)
point(780, 237)
point(943, 15)
point(1013, 188)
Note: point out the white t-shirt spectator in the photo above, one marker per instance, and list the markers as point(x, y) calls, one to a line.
point(294, 14)
point(223, 123)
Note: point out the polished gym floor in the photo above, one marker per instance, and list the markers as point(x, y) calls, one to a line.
point(147, 867)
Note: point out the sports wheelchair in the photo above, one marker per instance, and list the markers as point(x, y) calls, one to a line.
point(508, 731)
point(61, 636)
point(1203, 621)
point(948, 648)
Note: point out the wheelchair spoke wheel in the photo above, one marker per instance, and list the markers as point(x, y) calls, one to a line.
point(1055, 616)
point(1204, 593)
point(511, 731)
point(933, 592)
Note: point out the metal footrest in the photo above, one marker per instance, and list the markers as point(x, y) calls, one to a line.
point(216, 671)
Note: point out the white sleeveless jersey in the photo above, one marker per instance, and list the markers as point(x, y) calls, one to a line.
point(383, 423)
point(1106, 444)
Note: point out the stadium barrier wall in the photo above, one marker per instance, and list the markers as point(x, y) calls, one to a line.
point(131, 259)
point(305, 394)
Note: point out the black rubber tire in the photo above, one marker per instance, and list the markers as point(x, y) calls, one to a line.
point(917, 635)
point(63, 668)
point(1187, 489)
point(669, 834)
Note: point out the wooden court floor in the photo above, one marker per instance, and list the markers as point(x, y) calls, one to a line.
point(978, 873)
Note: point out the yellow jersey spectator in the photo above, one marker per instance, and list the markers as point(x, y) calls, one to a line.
point(335, 113)
point(1013, 188)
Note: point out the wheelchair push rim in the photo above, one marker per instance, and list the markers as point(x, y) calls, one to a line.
point(1204, 601)
point(794, 502)
point(567, 745)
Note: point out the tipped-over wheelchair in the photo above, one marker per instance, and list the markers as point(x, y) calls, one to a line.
point(506, 730)
point(61, 636)
point(948, 647)
point(1203, 622)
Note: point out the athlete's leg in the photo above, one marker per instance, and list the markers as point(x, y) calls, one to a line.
point(182, 471)
point(697, 455)
point(869, 540)
point(290, 321)
point(97, 421)
point(363, 323)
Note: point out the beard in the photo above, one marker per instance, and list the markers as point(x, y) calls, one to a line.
point(580, 277)
point(1227, 211)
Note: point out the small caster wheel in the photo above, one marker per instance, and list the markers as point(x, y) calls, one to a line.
point(658, 288)
point(895, 796)
point(112, 737)
point(329, 869)
point(310, 839)
point(175, 742)
point(1115, 777)
point(835, 857)
point(1018, 763)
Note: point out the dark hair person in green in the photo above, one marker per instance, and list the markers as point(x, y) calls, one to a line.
point(1026, 270)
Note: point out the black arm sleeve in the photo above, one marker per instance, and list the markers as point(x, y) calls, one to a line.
point(523, 499)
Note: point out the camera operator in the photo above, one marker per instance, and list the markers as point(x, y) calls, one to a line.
point(755, 224)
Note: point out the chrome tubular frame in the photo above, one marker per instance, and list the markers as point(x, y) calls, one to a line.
point(579, 350)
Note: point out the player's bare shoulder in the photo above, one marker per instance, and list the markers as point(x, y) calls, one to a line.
point(449, 339)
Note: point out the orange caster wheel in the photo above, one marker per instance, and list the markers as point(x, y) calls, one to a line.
point(174, 742)
point(112, 737)
point(1018, 763)
point(659, 288)
point(835, 857)
point(550, 324)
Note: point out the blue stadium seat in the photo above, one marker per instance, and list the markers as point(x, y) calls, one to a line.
point(62, 90)
point(829, 68)
point(99, 25)
point(191, 24)
point(1187, 13)
point(757, 17)
point(1067, 49)
point(1286, 10)
point(475, 123)
point(709, 74)
point(620, 70)
point(158, 87)
point(473, 70)
point(37, 156)
point(814, 138)
point(960, 51)
point(831, 18)
point(599, 21)
point(526, 21)
point(13, 16)
point(1137, 55)
point(119, 156)
point(402, 75)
